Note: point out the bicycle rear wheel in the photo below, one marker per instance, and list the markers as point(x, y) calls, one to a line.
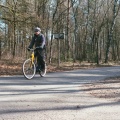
point(29, 69)
point(43, 72)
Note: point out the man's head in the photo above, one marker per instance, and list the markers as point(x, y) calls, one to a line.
point(37, 30)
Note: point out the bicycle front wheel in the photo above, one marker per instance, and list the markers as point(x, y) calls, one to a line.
point(29, 69)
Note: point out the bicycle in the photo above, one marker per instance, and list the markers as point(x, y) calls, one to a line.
point(30, 65)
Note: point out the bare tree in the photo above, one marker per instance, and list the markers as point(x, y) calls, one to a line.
point(115, 12)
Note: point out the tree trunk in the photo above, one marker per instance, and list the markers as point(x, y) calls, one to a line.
point(110, 34)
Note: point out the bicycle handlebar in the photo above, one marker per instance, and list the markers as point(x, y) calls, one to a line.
point(31, 49)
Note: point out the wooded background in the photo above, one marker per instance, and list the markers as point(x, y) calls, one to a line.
point(91, 29)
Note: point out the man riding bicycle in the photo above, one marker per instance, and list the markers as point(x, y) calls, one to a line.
point(39, 41)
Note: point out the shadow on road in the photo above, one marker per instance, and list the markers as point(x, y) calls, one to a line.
point(65, 83)
point(60, 108)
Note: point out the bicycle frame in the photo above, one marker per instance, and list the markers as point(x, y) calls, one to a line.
point(32, 56)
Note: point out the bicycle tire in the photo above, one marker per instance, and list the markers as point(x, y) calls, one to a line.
point(43, 73)
point(28, 69)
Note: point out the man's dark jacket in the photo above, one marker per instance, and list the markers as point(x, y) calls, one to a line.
point(38, 41)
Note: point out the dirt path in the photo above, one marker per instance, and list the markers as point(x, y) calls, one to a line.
point(60, 96)
point(106, 89)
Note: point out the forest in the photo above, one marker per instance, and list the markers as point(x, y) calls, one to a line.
point(90, 29)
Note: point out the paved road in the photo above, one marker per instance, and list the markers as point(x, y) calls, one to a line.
point(58, 96)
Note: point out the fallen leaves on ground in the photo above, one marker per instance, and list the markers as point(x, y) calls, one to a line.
point(106, 89)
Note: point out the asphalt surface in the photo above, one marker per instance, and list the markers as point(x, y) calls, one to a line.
point(57, 96)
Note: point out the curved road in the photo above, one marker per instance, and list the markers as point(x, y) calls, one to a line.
point(57, 96)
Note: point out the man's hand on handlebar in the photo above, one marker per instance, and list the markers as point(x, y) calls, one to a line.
point(39, 47)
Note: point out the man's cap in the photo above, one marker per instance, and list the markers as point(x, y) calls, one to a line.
point(37, 29)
